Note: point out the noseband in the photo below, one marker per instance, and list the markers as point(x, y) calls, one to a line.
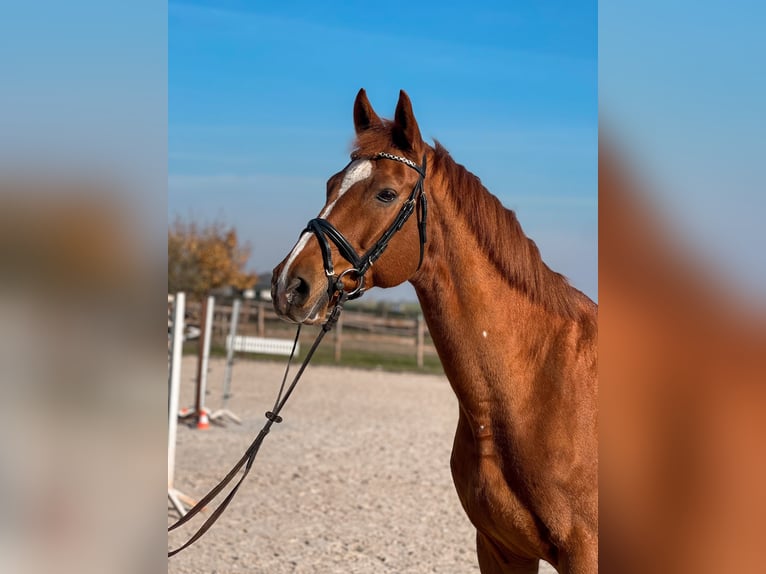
point(326, 232)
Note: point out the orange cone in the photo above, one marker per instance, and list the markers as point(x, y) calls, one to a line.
point(203, 422)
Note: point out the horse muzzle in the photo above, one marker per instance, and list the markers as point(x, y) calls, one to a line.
point(298, 298)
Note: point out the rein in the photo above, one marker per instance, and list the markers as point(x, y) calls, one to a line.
point(248, 458)
point(323, 230)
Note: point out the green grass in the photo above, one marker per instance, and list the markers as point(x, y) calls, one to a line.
point(350, 357)
point(360, 359)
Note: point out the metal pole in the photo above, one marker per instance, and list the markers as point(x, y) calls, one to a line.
point(174, 380)
point(230, 351)
point(204, 356)
point(223, 411)
point(174, 391)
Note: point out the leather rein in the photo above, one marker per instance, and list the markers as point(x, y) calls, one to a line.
point(323, 230)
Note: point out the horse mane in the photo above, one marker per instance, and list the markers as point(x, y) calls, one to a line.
point(497, 229)
point(501, 237)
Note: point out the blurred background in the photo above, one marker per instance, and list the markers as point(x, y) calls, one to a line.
point(682, 336)
point(83, 179)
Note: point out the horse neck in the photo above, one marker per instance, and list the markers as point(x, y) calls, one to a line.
point(485, 327)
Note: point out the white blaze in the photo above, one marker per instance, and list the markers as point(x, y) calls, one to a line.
point(356, 172)
point(359, 170)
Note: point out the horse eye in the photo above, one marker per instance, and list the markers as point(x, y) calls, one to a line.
point(386, 196)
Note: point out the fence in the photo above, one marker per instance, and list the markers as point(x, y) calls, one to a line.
point(361, 338)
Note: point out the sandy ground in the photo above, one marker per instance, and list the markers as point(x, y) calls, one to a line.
point(355, 480)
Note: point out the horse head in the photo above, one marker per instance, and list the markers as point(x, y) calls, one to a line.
point(364, 236)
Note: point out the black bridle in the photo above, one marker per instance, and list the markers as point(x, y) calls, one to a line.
point(323, 230)
point(326, 232)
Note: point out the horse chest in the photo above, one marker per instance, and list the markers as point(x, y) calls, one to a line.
point(490, 502)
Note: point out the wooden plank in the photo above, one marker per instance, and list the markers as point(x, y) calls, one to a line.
point(420, 340)
point(338, 338)
point(261, 315)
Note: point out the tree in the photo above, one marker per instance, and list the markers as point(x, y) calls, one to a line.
point(204, 258)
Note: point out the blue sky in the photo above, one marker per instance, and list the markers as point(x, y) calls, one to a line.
point(683, 95)
point(260, 108)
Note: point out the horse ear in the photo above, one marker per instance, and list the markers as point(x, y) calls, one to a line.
point(364, 116)
point(406, 127)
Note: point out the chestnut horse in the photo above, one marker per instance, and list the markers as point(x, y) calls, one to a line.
point(517, 342)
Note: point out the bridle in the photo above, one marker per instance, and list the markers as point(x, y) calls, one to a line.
point(324, 231)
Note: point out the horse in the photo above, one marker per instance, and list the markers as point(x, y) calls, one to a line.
point(518, 343)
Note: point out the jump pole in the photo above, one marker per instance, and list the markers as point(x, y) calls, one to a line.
point(176, 497)
point(202, 363)
point(223, 411)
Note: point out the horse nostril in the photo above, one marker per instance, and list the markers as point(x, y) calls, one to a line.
point(303, 289)
point(298, 291)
